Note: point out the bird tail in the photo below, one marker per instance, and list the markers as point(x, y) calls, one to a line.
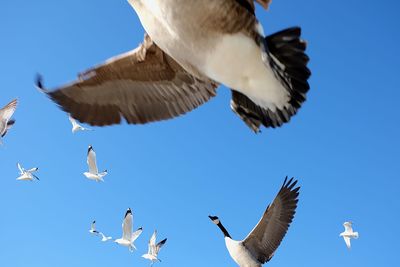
point(355, 235)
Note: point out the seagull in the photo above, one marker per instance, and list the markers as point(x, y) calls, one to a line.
point(27, 175)
point(104, 238)
point(348, 233)
point(261, 243)
point(128, 237)
point(189, 49)
point(153, 250)
point(5, 118)
point(93, 173)
point(77, 127)
point(93, 228)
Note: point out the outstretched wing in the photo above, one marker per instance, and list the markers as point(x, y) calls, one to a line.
point(348, 227)
point(142, 86)
point(266, 237)
point(136, 234)
point(159, 245)
point(127, 226)
point(7, 111)
point(347, 241)
point(91, 161)
point(20, 168)
point(152, 244)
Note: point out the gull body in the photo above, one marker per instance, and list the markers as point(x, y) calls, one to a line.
point(154, 249)
point(76, 126)
point(93, 173)
point(261, 243)
point(27, 175)
point(190, 48)
point(348, 233)
point(5, 118)
point(128, 238)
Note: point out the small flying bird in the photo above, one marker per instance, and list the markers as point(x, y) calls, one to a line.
point(154, 249)
point(5, 118)
point(93, 228)
point(93, 173)
point(76, 126)
point(104, 238)
point(261, 243)
point(128, 238)
point(348, 233)
point(27, 175)
point(189, 49)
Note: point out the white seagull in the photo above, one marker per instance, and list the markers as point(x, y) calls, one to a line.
point(348, 233)
point(104, 238)
point(261, 243)
point(93, 173)
point(154, 248)
point(5, 118)
point(128, 238)
point(190, 48)
point(76, 126)
point(27, 175)
point(93, 228)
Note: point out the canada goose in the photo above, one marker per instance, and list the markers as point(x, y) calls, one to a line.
point(348, 233)
point(128, 237)
point(76, 126)
point(190, 48)
point(5, 118)
point(93, 173)
point(154, 249)
point(27, 175)
point(261, 243)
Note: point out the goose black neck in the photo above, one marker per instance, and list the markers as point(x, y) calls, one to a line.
point(224, 231)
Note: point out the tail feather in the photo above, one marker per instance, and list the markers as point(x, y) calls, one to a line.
point(284, 53)
point(356, 235)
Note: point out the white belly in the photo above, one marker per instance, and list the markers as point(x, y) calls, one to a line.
point(239, 254)
point(233, 60)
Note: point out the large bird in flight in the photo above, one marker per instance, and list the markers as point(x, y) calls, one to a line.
point(189, 49)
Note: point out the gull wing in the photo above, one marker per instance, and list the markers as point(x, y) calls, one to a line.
point(152, 244)
point(127, 225)
point(159, 245)
point(136, 234)
point(347, 240)
point(20, 168)
point(73, 121)
point(267, 235)
point(141, 86)
point(348, 227)
point(91, 161)
point(7, 111)
point(32, 170)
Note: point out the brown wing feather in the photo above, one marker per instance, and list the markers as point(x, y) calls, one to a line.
point(266, 237)
point(142, 86)
point(264, 3)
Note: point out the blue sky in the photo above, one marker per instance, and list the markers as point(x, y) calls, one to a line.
point(343, 146)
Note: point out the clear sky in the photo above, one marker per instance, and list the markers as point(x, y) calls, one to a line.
point(343, 146)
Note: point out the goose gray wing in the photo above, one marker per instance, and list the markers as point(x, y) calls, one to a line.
point(267, 235)
point(141, 86)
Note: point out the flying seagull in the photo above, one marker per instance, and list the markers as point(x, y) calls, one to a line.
point(27, 175)
point(189, 49)
point(128, 237)
point(104, 238)
point(348, 233)
point(76, 126)
point(93, 173)
point(93, 228)
point(154, 248)
point(261, 243)
point(5, 118)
